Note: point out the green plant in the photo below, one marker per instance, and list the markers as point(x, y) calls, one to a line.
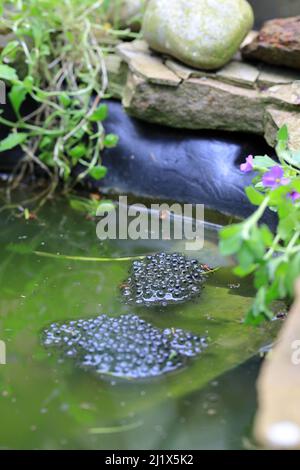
point(272, 258)
point(56, 60)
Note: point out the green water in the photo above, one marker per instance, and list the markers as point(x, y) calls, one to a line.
point(48, 403)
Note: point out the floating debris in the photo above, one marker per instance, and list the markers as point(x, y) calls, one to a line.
point(164, 279)
point(126, 346)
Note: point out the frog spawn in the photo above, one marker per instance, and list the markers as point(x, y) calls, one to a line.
point(164, 279)
point(126, 347)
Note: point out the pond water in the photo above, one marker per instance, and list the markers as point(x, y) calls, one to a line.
point(47, 402)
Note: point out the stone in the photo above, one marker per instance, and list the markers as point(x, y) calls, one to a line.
point(197, 103)
point(192, 99)
point(126, 346)
point(147, 65)
point(278, 43)
point(271, 75)
point(127, 13)
point(117, 71)
point(164, 279)
point(202, 33)
point(239, 73)
point(275, 119)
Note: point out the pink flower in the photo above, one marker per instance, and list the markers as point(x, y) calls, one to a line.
point(294, 196)
point(275, 178)
point(248, 165)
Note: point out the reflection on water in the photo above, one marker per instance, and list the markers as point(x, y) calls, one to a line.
point(47, 402)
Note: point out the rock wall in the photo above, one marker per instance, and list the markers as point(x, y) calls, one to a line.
point(239, 97)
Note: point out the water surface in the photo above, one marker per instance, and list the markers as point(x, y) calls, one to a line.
point(49, 403)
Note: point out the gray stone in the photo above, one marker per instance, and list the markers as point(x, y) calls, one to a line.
point(236, 98)
point(197, 103)
point(202, 33)
point(275, 119)
point(127, 13)
point(239, 73)
point(147, 65)
point(271, 75)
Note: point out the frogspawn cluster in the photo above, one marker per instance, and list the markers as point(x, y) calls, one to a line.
point(164, 279)
point(125, 346)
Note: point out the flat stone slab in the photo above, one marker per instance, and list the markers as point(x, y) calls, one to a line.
point(147, 65)
point(239, 97)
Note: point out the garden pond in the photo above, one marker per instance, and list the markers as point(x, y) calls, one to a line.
point(48, 402)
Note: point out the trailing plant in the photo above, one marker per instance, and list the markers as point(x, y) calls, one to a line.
point(272, 258)
point(55, 59)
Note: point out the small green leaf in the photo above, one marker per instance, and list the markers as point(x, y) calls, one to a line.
point(245, 258)
point(98, 172)
point(106, 206)
point(17, 97)
point(45, 142)
point(261, 276)
point(263, 162)
point(47, 157)
point(283, 134)
point(254, 320)
point(84, 205)
point(65, 100)
point(256, 243)
point(28, 83)
point(292, 274)
point(8, 73)
point(288, 224)
point(267, 235)
point(100, 114)
point(10, 49)
point(12, 140)
point(111, 140)
point(255, 197)
point(296, 184)
point(77, 152)
point(231, 239)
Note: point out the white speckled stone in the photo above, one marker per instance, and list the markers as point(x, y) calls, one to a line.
point(202, 33)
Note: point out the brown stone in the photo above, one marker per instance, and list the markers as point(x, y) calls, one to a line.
point(277, 43)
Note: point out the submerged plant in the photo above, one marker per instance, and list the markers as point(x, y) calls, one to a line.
point(55, 60)
point(272, 258)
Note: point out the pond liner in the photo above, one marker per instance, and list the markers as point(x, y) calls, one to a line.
point(196, 167)
point(161, 163)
